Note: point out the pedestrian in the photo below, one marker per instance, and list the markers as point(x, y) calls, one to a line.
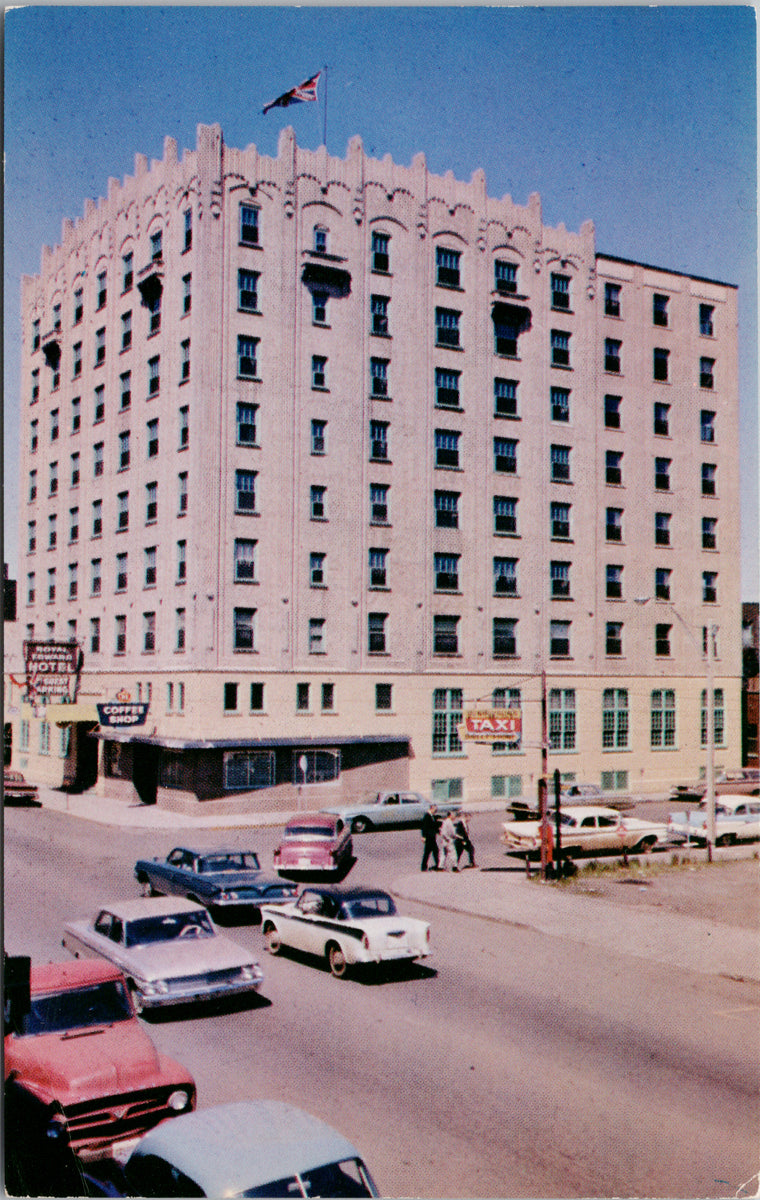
point(430, 834)
point(448, 842)
point(463, 842)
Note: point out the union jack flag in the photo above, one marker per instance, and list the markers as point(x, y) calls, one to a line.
point(297, 95)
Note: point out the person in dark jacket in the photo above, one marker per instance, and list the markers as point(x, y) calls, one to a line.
point(430, 835)
point(462, 840)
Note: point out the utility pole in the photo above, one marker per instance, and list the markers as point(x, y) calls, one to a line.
point(543, 781)
point(711, 631)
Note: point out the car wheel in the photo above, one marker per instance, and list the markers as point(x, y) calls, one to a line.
point(728, 839)
point(645, 845)
point(360, 825)
point(337, 960)
point(272, 939)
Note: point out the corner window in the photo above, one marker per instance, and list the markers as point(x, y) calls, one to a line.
point(612, 299)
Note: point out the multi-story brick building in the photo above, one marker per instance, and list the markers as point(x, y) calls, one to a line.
point(318, 454)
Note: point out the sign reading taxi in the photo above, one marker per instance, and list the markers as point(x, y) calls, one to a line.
point(492, 725)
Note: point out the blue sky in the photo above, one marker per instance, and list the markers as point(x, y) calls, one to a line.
point(642, 119)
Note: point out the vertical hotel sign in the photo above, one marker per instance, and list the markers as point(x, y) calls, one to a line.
point(493, 725)
point(52, 672)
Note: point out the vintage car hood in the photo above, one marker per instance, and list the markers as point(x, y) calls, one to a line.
point(188, 956)
point(70, 1067)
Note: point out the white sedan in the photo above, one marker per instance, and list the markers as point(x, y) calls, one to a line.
point(346, 926)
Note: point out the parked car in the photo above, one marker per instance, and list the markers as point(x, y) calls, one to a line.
point(16, 790)
point(394, 808)
point(80, 1071)
point(347, 927)
point(585, 828)
point(737, 819)
point(224, 881)
point(571, 793)
point(169, 950)
point(314, 843)
point(248, 1148)
point(742, 782)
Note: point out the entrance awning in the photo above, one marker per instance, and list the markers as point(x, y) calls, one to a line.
point(62, 714)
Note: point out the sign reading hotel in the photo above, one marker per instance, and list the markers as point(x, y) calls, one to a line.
point(52, 671)
point(492, 725)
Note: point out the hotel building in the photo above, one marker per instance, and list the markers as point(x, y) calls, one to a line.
point(319, 454)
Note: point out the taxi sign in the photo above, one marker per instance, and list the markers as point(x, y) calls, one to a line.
point(492, 725)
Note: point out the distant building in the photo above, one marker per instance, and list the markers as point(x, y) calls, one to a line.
point(320, 454)
point(750, 684)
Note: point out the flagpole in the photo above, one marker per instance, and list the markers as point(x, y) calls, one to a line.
point(324, 113)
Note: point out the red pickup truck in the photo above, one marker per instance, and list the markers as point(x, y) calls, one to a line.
point(80, 1070)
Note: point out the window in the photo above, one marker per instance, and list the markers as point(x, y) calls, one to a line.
point(122, 578)
point(156, 245)
point(612, 411)
point(505, 398)
point(504, 637)
point(120, 634)
point(182, 493)
point(126, 330)
point(378, 440)
point(245, 491)
point(181, 561)
point(149, 555)
point(75, 473)
point(560, 285)
point(73, 581)
point(614, 588)
point(505, 277)
point(123, 510)
point(661, 422)
point(315, 766)
point(32, 537)
point(662, 728)
point(660, 310)
point(709, 587)
point(379, 314)
point(328, 697)
point(447, 448)
point(706, 312)
point(709, 472)
point(612, 299)
point(662, 528)
point(246, 352)
point(96, 576)
point(32, 485)
point(184, 360)
point(559, 520)
point(188, 222)
point(244, 560)
point(707, 425)
point(560, 464)
point(447, 267)
point(78, 308)
point(317, 635)
point(318, 502)
point(505, 576)
point(97, 518)
point(320, 239)
point(302, 697)
point(446, 572)
point(126, 390)
point(378, 503)
point(562, 718)
point(706, 372)
point(54, 425)
point(257, 697)
point(151, 503)
point(662, 474)
point(44, 737)
point(615, 719)
point(35, 385)
point(248, 291)
point(318, 371)
point(445, 634)
point(246, 424)
point(447, 388)
point(505, 333)
point(152, 437)
point(100, 404)
point(52, 531)
point(249, 225)
point(446, 327)
point(127, 272)
point(187, 294)
point(76, 414)
point(560, 348)
point(243, 636)
point(505, 514)
point(77, 356)
point(614, 525)
point(100, 347)
point(378, 368)
point(154, 375)
point(560, 404)
point(660, 359)
point(95, 635)
point(319, 308)
point(613, 467)
point(376, 632)
point(662, 640)
point(124, 452)
point(380, 252)
point(383, 697)
point(559, 639)
point(53, 489)
point(317, 569)
point(31, 594)
point(719, 717)
point(448, 704)
point(709, 533)
point(505, 455)
point(614, 639)
point(662, 581)
point(612, 350)
point(179, 635)
point(230, 701)
point(559, 575)
point(318, 437)
point(446, 510)
point(378, 567)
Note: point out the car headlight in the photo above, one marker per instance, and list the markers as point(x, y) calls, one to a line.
point(56, 1127)
point(179, 1100)
point(154, 987)
point(250, 972)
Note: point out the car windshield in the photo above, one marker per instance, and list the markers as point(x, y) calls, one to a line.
point(230, 861)
point(379, 905)
point(55, 1012)
point(148, 930)
point(347, 1178)
point(308, 832)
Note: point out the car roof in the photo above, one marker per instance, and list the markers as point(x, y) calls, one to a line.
point(349, 893)
point(212, 852)
point(313, 818)
point(231, 1147)
point(154, 906)
point(76, 973)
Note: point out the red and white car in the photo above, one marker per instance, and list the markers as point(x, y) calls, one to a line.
point(315, 843)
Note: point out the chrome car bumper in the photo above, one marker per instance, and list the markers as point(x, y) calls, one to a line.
point(188, 991)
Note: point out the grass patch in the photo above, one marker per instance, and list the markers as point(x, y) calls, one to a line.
point(641, 870)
